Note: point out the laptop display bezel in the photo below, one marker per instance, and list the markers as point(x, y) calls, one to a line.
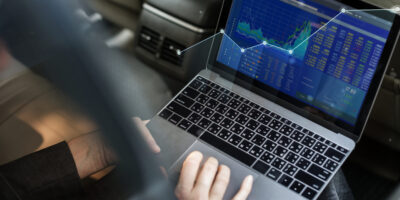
point(333, 124)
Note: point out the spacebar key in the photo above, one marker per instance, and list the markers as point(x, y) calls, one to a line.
point(227, 148)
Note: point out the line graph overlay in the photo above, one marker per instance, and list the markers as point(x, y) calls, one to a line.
point(289, 51)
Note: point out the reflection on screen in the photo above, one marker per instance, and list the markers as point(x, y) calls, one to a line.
point(326, 65)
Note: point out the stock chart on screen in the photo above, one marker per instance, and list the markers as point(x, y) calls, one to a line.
point(331, 62)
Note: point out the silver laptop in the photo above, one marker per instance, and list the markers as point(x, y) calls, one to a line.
point(286, 94)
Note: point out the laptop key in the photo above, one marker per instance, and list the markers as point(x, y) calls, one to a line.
point(197, 107)
point(228, 148)
point(298, 136)
point(296, 147)
point(227, 123)
point(341, 149)
point(307, 153)
point(309, 180)
point(237, 128)
point(247, 134)
point(224, 134)
point(234, 103)
point(290, 169)
point(264, 119)
point(269, 145)
point(221, 108)
point(319, 147)
point(184, 100)
point(263, 130)
point(267, 157)
point(273, 135)
point(214, 93)
point(280, 151)
point(212, 103)
point(291, 157)
point(274, 174)
point(205, 89)
point(254, 114)
point(175, 119)
point(165, 113)
point(258, 140)
point(275, 116)
point(217, 118)
point(297, 186)
point(275, 124)
point(185, 124)
point(194, 117)
point(334, 155)
point(245, 145)
point(207, 112)
point(232, 114)
point(319, 172)
point(242, 119)
point(309, 193)
point(202, 99)
point(190, 92)
point(261, 167)
point(204, 123)
point(303, 163)
point(331, 165)
point(319, 159)
point(224, 98)
point(286, 130)
point(285, 180)
point(244, 108)
point(214, 129)
point(308, 141)
point(179, 109)
point(195, 130)
point(252, 124)
point(235, 140)
point(284, 141)
point(256, 151)
point(196, 84)
point(296, 126)
point(278, 163)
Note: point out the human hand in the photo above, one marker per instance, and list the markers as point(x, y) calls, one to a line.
point(141, 125)
point(208, 183)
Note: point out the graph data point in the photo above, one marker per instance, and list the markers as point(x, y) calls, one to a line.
point(290, 52)
point(265, 43)
point(343, 10)
point(179, 52)
point(222, 31)
point(242, 50)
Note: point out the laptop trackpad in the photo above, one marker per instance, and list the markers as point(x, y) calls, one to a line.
point(238, 172)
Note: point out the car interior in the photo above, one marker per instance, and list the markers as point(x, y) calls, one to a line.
point(148, 33)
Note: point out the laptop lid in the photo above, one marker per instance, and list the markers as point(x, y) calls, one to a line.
point(324, 60)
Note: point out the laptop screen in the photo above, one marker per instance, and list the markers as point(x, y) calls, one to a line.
point(321, 53)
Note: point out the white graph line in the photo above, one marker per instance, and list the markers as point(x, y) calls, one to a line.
point(289, 51)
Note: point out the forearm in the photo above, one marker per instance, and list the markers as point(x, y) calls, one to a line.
point(90, 154)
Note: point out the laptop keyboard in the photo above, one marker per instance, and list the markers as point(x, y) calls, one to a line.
point(272, 145)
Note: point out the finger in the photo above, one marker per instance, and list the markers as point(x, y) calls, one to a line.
point(145, 122)
point(146, 135)
point(221, 183)
point(206, 176)
point(189, 172)
point(245, 189)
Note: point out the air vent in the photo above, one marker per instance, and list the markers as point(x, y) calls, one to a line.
point(149, 39)
point(169, 52)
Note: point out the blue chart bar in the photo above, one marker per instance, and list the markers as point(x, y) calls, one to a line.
point(337, 54)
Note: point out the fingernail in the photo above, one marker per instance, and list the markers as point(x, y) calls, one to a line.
point(157, 149)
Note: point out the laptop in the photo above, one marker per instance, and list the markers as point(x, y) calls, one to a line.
point(286, 94)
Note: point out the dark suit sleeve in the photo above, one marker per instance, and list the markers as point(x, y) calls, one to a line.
point(47, 174)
